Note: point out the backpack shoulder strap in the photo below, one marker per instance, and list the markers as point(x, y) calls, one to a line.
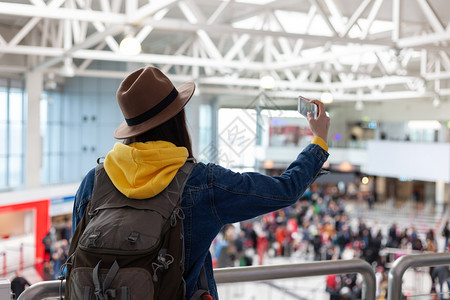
point(180, 179)
point(85, 218)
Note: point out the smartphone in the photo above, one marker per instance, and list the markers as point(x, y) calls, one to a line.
point(305, 106)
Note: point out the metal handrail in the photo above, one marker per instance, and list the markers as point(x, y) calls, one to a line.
point(413, 260)
point(44, 289)
point(256, 273)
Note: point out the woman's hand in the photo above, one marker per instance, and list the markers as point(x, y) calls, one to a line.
point(319, 126)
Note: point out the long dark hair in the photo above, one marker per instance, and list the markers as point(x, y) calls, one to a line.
point(173, 130)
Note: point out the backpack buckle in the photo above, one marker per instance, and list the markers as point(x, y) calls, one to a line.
point(132, 238)
point(93, 213)
point(93, 239)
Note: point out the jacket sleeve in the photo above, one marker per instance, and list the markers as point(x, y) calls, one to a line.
point(82, 197)
point(242, 196)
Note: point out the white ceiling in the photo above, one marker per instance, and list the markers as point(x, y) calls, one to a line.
point(369, 50)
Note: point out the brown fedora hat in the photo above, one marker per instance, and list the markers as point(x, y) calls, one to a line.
point(147, 99)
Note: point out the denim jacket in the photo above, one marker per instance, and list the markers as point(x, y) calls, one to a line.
point(215, 196)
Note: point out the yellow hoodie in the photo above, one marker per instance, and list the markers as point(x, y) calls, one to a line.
point(143, 170)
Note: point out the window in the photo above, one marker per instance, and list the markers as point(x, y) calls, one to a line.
point(3, 141)
point(12, 127)
point(51, 132)
point(3, 120)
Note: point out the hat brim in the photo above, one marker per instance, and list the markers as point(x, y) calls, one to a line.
point(185, 92)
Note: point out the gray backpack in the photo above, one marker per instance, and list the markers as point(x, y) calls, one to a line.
point(129, 249)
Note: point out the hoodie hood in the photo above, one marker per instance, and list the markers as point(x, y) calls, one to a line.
point(143, 170)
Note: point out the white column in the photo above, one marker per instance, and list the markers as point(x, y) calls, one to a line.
point(442, 134)
point(33, 154)
point(447, 193)
point(440, 196)
point(440, 192)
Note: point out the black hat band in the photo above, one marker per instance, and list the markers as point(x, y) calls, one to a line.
point(154, 110)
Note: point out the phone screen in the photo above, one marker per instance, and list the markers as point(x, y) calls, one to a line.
point(304, 106)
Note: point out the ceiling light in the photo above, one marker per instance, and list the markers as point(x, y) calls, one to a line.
point(436, 101)
point(267, 82)
point(130, 45)
point(359, 105)
point(326, 97)
point(50, 84)
point(67, 69)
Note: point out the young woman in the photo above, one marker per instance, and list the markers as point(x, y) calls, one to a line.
point(157, 143)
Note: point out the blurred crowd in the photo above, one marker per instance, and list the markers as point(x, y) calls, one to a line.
point(56, 245)
point(318, 227)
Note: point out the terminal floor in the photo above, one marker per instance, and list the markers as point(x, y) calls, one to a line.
point(416, 282)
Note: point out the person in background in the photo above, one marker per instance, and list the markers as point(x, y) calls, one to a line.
point(18, 284)
point(441, 273)
point(59, 256)
point(66, 232)
point(47, 241)
point(379, 277)
point(333, 285)
point(317, 245)
point(431, 241)
point(446, 234)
